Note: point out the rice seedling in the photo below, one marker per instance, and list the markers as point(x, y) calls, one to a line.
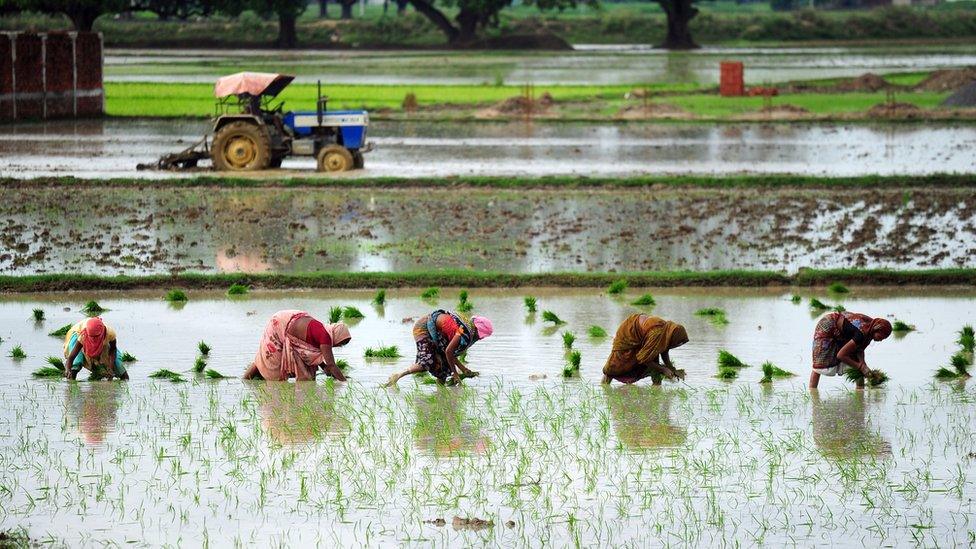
point(944, 373)
point(876, 378)
point(380, 298)
point(200, 364)
point(465, 307)
point(127, 357)
point(549, 316)
point(61, 332)
point(899, 326)
point(203, 348)
point(818, 305)
point(17, 353)
point(382, 352)
point(92, 308)
point(573, 366)
point(237, 289)
point(342, 364)
point(176, 296)
point(967, 339)
point(530, 304)
point(714, 315)
point(617, 287)
point(839, 308)
point(646, 300)
point(568, 339)
point(430, 293)
point(728, 360)
point(168, 375)
point(960, 363)
point(796, 299)
point(727, 373)
point(351, 313)
point(56, 362)
point(596, 331)
point(38, 315)
point(214, 374)
point(837, 288)
point(48, 371)
point(335, 314)
point(771, 371)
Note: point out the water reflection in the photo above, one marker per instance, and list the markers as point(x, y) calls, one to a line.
point(94, 406)
point(641, 417)
point(296, 413)
point(840, 427)
point(442, 427)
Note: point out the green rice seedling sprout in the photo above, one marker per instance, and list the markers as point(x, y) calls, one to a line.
point(56, 362)
point(380, 298)
point(17, 353)
point(61, 332)
point(839, 308)
point(463, 296)
point(342, 364)
point(796, 299)
point(728, 360)
point(967, 339)
point(430, 293)
point(38, 315)
point(335, 314)
point(550, 316)
point(877, 376)
point(48, 371)
point(168, 375)
point(214, 374)
point(961, 361)
point(727, 373)
point(382, 352)
point(573, 366)
point(127, 357)
point(596, 331)
point(237, 289)
point(530, 304)
point(176, 296)
point(200, 364)
point(568, 339)
point(714, 315)
point(204, 348)
point(818, 305)
point(646, 300)
point(617, 287)
point(837, 288)
point(771, 371)
point(465, 307)
point(351, 313)
point(92, 308)
point(899, 326)
point(944, 373)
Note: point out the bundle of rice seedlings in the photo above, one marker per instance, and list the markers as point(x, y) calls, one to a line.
point(351, 313)
point(382, 352)
point(342, 364)
point(61, 332)
point(463, 296)
point(944, 373)
point(56, 362)
point(839, 308)
point(967, 339)
point(92, 308)
point(38, 315)
point(465, 307)
point(573, 367)
point(727, 373)
point(646, 300)
point(214, 374)
point(168, 375)
point(714, 314)
point(771, 371)
point(899, 326)
point(335, 314)
point(176, 296)
point(200, 364)
point(961, 361)
point(204, 348)
point(617, 287)
point(430, 293)
point(877, 376)
point(728, 360)
point(796, 299)
point(530, 304)
point(48, 371)
point(837, 288)
point(380, 298)
point(126, 357)
point(17, 353)
point(237, 289)
point(550, 316)
point(818, 305)
point(568, 339)
point(596, 331)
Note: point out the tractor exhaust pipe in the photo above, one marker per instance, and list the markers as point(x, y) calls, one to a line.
point(318, 104)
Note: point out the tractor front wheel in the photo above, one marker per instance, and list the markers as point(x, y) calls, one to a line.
point(335, 158)
point(241, 146)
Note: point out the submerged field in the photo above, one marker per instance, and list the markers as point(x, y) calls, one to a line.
point(544, 459)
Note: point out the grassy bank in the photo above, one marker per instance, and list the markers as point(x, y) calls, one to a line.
point(272, 180)
point(473, 279)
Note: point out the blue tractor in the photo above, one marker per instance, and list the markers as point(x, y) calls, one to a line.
point(250, 134)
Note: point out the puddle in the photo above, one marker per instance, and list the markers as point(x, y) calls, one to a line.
point(589, 64)
point(707, 462)
point(112, 148)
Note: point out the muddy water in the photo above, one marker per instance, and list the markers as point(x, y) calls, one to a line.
point(112, 148)
point(589, 64)
point(565, 461)
point(143, 230)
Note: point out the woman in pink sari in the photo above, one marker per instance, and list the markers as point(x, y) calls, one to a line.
point(295, 345)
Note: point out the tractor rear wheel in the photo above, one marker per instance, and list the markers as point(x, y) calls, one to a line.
point(334, 158)
point(241, 146)
point(357, 160)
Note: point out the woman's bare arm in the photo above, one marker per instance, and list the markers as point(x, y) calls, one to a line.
point(71, 361)
point(329, 366)
point(849, 354)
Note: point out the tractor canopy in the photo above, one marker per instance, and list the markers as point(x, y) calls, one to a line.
point(252, 83)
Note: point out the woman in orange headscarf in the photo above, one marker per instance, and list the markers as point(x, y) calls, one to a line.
point(295, 345)
point(839, 341)
point(91, 344)
point(640, 344)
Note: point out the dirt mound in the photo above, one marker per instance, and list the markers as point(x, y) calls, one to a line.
point(651, 110)
point(867, 82)
point(784, 108)
point(964, 97)
point(894, 110)
point(948, 79)
point(519, 105)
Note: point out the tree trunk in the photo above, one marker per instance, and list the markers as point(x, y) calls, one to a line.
point(324, 9)
point(347, 8)
point(401, 6)
point(467, 26)
point(287, 36)
point(680, 13)
point(82, 19)
point(436, 17)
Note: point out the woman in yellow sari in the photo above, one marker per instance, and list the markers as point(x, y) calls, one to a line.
point(640, 345)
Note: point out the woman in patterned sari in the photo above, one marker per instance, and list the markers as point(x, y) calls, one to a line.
point(295, 345)
point(839, 341)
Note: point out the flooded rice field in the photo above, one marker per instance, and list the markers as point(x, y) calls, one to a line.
point(520, 455)
point(589, 64)
point(112, 148)
point(140, 229)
